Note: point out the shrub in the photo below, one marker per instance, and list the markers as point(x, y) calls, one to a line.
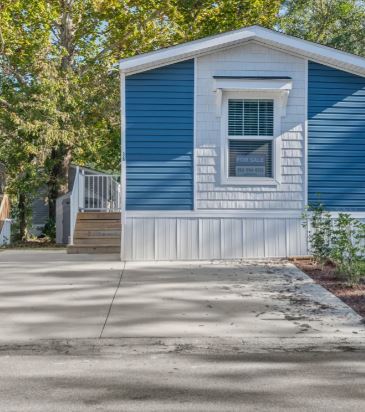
point(347, 247)
point(341, 240)
point(319, 226)
point(49, 229)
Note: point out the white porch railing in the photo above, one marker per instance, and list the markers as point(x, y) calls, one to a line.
point(101, 193)
point(93, 192)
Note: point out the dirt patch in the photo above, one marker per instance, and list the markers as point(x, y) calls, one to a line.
point(326, 276)
point(42, 243)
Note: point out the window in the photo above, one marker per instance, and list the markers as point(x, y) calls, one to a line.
point(250, 117)
point(248, 158)
point(250, 138)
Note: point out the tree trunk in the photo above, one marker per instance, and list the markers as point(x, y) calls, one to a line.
point(61, 155)
point(67, 33)
point(58, 180)
point(22, 208)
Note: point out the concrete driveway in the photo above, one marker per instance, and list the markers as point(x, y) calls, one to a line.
point(48, 294)
point(84, 333)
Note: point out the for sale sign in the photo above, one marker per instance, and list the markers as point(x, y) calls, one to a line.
point(252, 165)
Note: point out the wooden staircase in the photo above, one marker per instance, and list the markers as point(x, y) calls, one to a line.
point(96, 233)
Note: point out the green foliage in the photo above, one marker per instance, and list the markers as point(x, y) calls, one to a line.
point(194, 19)
point(347, 247)
point(18, 234)
point(319, 226)
point(49, 229)
point(341, 240)
point(334, 23)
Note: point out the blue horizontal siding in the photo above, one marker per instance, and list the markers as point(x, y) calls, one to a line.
point(159, 138)
point(336, 138)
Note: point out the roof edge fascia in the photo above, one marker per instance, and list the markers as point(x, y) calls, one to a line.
point(280, 41)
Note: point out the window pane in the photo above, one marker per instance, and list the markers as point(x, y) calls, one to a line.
point(250, 158)
point(251, 117)
point(266, 118)
point(235, 117)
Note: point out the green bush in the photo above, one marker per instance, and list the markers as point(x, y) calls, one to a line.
point(319, 226)
point(340, 240)
point(347, 248)
point(49, 229)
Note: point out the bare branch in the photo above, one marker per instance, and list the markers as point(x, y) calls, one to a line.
point(5, 103)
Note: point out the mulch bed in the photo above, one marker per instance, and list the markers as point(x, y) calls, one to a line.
point(354, 296)
point(34, 244)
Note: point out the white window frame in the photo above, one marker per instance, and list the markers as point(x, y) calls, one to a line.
point(276, 139)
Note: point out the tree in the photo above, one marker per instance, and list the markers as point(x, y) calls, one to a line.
point(334, 23)
point(24, 112)
point(59, 90)
point(57, 64)
point(199, 18)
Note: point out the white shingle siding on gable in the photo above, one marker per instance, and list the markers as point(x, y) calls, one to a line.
point(251, 59)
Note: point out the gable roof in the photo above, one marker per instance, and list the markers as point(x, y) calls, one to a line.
point(289, 44)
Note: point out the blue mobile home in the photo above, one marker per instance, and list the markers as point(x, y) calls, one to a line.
point(225, 140)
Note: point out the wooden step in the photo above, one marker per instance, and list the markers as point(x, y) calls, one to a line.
point(98, 216)
point(97, 234)
point(93, 249)
point(97, 225)
point(103, 241)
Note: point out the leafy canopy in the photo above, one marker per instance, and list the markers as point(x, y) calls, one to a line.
point(334, 23)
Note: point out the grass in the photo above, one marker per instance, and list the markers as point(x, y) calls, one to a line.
point(362, 267)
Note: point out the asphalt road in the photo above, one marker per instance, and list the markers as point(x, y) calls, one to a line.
point(160, 376)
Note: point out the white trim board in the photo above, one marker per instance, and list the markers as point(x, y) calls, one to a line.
point(294, 214)
point(123, 175)
point(208, 213)
point(310, 50)
point(305, 166)
point(356, 215)
point(195, 180)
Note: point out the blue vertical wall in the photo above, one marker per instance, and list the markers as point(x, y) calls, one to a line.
point(336, 138)
point(160, 138)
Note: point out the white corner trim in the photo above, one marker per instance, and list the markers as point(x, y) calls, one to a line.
point(284, 96)
point(219, 97)
point(195, 157)
point(305, 171)
point(123, 177)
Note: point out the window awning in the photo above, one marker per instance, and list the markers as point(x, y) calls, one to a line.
point(273, 84)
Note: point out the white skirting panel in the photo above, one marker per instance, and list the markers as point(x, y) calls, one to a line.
point(202, 238)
